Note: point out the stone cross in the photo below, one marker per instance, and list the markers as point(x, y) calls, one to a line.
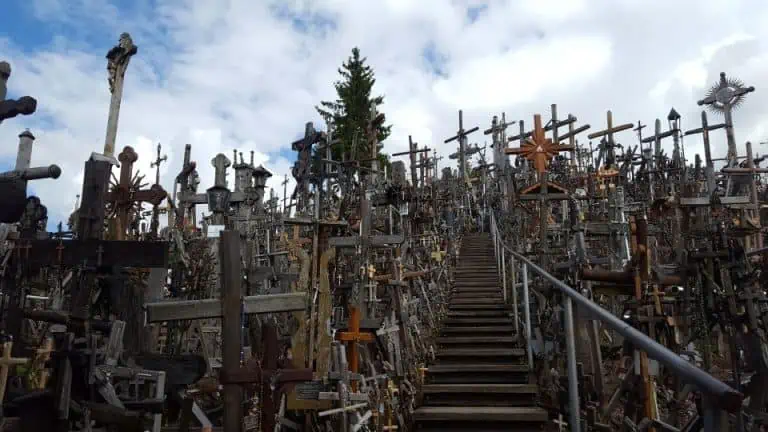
point(220, 164)
point(461, 135)
point(25, 105)
point(117, 62)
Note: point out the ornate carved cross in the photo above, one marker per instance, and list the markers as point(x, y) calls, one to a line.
point(538, 148)
point(124, 196)
point(117, 62)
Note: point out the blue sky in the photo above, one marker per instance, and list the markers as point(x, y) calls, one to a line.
point(245, 75)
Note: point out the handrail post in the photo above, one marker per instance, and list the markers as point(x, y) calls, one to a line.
point(527, 312)
point(573, 378)
point(514, 296)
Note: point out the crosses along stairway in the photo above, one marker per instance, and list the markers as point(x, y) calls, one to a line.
point(480, 381)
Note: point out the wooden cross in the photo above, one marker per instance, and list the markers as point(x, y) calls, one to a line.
point(285, 195)
point(6, 361)
point(461, 135)
point(353, 336)
point(539, 149)
point(608, 133)
point(124, 195)
point(413, 150)
point(230, 308)
point(704, 131)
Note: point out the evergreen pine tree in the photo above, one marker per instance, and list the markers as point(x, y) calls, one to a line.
point(351, 111)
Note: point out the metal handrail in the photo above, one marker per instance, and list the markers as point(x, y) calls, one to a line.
point(724, 395)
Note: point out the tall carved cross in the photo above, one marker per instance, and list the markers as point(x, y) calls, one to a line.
point(539, 149)
point(117, 62)
point(124, 196)
point(461, 135)
point(723, 97)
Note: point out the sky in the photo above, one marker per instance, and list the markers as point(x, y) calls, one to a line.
point(246, 74)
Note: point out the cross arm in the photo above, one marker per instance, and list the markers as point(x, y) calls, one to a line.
point(611, 130)
point(375, 241)
point(659, 136)
point(462, 134)
point(99, 252)
point(211, 308)
point(10, 108)
point(702, 129)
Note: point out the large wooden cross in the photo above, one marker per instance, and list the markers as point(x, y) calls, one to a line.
point(124, 196)
point(230, 308)
point(608, 133)
point(539, 149)
point(461, 135)
point(413, 150)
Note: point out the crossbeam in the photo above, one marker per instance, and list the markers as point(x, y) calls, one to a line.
point(211, 308)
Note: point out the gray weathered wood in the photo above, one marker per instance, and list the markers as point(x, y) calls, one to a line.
point(211, 308)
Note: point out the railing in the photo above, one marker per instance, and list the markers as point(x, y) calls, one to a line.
point(722, 394)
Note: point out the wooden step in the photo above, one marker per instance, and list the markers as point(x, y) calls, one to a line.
point(478, 373)
point(477, 313)
point(477, 321)
point(486, 307)
point(479, 394)
point(481, 352)
point(448, 340)
point(504, 329)
point(476, 300)
point(480, 414)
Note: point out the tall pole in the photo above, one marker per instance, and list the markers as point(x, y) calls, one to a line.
point(117, 63)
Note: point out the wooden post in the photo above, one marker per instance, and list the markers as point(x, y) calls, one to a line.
point(231, 281)
point(5, 364)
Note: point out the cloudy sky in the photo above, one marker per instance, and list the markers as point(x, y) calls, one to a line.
point(246, 74)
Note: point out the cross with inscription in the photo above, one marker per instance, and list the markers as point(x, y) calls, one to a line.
point(125, 196)
point(461, 135)
point(10, 108)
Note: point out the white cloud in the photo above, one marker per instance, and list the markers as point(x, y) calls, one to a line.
point(246, 75)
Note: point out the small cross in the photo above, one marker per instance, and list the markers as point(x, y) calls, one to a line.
point(157, 162)
point(6, 361)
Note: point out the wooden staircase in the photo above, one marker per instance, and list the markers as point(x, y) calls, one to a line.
point(480, 381)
